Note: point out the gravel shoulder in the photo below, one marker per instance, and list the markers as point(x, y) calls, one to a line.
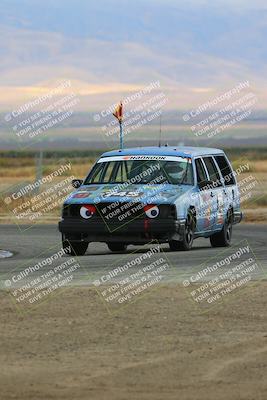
point(160, 347)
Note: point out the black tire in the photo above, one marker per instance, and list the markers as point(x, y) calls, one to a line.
point(187, 242)
point(223, 238)
point(74, 248)
point(117, 246)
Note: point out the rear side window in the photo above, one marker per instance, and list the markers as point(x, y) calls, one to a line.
point(201, 173)
point(226, 171)
point(212, 170)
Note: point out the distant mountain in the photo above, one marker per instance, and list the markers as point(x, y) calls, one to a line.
point(196, 49)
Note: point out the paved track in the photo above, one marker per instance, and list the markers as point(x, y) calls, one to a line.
point(28, 244)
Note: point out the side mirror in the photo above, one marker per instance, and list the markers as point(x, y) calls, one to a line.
point(206, 185)
point(76, 183)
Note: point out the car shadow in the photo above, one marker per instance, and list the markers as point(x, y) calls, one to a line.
point(144, 250)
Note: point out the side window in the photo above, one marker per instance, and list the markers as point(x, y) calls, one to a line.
point(213, 172)
point(96, 173)
point(226, 171)
point(101, 173)
point(201, 173)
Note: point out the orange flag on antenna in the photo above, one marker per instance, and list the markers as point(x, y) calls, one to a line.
point(118, 112)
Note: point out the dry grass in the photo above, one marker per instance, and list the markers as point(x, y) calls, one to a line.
point(258, 166)
point(26, 172)
point(15, 171)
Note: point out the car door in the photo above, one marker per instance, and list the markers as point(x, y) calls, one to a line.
point(204, 198)
point(217, 193)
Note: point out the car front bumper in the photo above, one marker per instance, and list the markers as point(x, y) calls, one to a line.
point(135, 231)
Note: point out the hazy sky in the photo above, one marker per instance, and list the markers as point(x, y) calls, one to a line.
point(108, 48)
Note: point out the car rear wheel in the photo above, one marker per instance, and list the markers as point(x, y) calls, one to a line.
point(74, 248)
point(223, 238)
point(187, 242)
point(117, 246)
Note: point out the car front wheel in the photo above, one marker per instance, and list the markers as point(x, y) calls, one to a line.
point(188, 238)
point(117, 246)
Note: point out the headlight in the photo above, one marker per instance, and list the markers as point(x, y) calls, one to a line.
point(151, 211)
point(87, 211)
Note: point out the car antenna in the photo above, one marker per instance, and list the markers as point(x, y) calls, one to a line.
point(160, 130)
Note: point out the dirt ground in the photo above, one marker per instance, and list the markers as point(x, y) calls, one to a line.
point(159, 348)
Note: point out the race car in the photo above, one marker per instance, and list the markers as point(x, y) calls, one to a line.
point(166, 194)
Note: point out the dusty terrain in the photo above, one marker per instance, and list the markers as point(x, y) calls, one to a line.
point(158, 348)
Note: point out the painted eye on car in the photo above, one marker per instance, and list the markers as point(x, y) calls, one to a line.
point(87, 211)
point(151, 211)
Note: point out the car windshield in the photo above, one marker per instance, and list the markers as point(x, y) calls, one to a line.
point(169, 170)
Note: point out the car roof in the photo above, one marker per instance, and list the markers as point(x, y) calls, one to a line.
point(183, 151)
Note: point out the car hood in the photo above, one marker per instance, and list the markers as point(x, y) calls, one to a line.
point(151, 194)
